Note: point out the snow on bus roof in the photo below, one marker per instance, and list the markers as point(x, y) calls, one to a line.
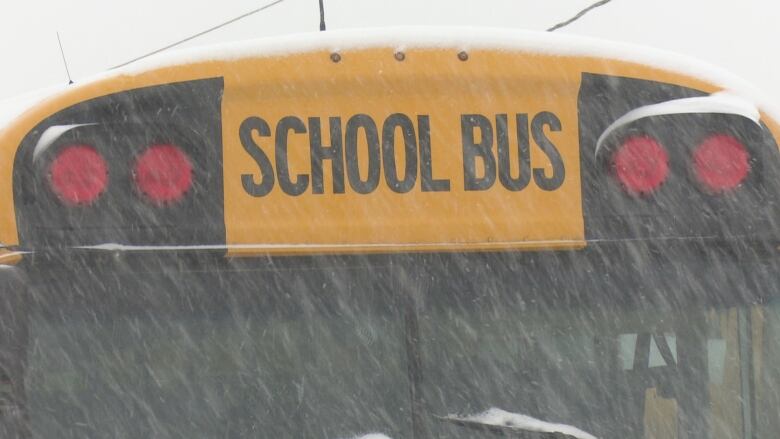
point(404, 38)
point(14, 107)
point(460, 38)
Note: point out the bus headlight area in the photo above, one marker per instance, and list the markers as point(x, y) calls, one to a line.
point(535, 236)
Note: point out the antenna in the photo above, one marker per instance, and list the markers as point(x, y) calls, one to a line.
point(64, 61)
point(322, 16)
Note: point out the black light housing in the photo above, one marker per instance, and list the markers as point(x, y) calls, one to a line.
point(121, 128)
point(696, 201)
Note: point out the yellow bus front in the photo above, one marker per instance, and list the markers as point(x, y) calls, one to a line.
point(423, 239)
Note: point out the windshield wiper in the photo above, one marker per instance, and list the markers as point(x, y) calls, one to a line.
point(502, 422)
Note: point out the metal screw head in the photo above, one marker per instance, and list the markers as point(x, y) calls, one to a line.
point(335, 57)
point(463, 56)
point(400, 56)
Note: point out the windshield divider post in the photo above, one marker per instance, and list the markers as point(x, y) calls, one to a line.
point(410, 281)
point(747, 388)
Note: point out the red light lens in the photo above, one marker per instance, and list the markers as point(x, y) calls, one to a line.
point(641, 165)
point(78, 175)
point(721, 163)
point(163, 173)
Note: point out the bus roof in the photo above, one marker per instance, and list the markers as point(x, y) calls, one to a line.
point(410, 37)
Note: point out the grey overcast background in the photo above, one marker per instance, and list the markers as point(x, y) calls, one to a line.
point(742, 36)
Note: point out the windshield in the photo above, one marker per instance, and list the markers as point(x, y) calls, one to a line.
point(327, 347)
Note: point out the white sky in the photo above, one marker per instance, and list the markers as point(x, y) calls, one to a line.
point(739, 35)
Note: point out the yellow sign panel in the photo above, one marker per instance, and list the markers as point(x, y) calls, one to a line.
point(366, 151)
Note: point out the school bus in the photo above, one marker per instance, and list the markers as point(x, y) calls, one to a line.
point(392, 232)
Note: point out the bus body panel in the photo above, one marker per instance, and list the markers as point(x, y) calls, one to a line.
point(428, 110)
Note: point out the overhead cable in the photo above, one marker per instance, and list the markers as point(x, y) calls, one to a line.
point(200, 34)
point(322, 16)
point(579, 15)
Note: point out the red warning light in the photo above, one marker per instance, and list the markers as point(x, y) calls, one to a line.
point(78, 175)
point(641, 165)
point(163, 173)
point(721, 163)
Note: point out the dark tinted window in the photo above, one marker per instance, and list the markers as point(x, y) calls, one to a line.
point(633, 344)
